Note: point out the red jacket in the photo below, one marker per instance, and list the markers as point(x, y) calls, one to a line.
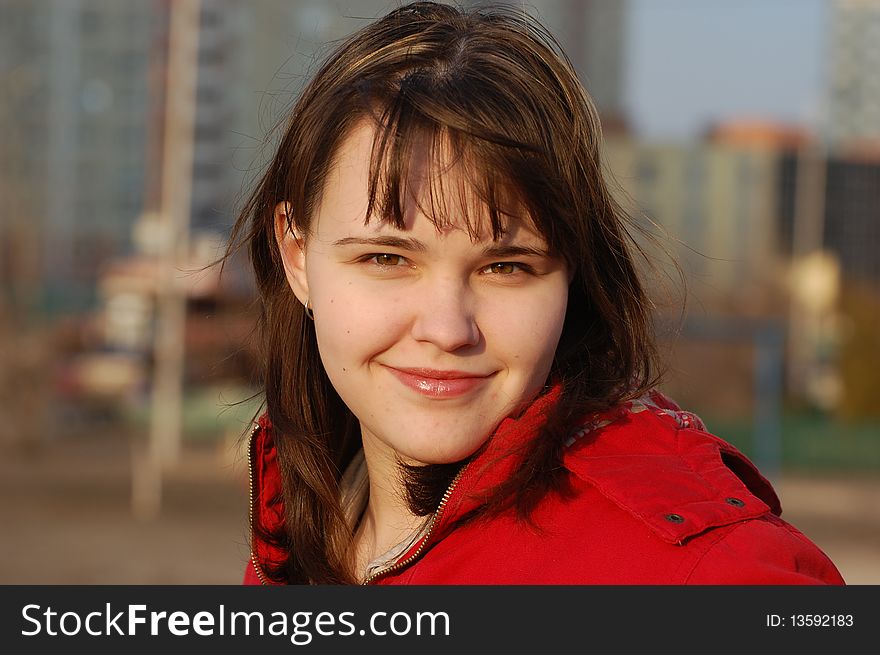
point(656, 500)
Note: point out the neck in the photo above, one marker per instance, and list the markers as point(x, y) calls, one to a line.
point(387, 519)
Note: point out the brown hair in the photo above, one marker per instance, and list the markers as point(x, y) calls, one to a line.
point(494, 86)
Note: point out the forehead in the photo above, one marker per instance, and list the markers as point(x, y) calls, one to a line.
point(376, 191)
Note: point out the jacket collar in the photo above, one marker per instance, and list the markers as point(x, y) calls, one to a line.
point(660, 464)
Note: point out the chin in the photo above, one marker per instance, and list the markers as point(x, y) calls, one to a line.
point(444, 456)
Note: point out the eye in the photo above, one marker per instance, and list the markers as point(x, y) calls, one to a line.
point(505, 268)
point(386, 260)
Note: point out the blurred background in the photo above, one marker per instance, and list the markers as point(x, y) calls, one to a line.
point(745, 134)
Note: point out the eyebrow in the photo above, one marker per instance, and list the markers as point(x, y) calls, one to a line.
point(414, 245)
point(514, 251)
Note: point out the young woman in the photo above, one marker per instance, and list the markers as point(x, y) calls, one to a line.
point(459, 367)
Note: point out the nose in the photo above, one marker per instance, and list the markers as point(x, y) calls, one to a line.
point(446, 317)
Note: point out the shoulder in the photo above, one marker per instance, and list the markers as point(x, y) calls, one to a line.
point(660, 463)
point(693, 490)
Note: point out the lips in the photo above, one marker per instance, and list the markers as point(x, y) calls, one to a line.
point(437, 383)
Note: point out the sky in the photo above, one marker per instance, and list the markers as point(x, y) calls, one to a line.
point(690, 62)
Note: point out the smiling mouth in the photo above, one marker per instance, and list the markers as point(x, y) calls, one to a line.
point(439, 384)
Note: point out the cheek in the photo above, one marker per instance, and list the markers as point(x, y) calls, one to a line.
point(531, 328)
point(352, 325)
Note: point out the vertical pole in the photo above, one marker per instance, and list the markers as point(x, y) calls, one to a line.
point(175, 200)
point(60, 214)
point(768, 399)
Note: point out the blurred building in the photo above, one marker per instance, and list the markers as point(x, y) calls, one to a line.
point(854, 85)
point(73, 109)
point(848, 198)
point(852, 217)
point(760, 134)
point(717, 203)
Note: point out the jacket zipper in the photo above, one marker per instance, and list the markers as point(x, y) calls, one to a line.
point(250, 461)
point(435, 519)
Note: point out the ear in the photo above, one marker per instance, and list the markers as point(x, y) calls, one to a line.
point(292, 247)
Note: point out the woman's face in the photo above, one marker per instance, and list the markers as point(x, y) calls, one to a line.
point(430, 337)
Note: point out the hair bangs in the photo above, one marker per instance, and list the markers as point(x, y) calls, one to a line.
point(456, 178)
